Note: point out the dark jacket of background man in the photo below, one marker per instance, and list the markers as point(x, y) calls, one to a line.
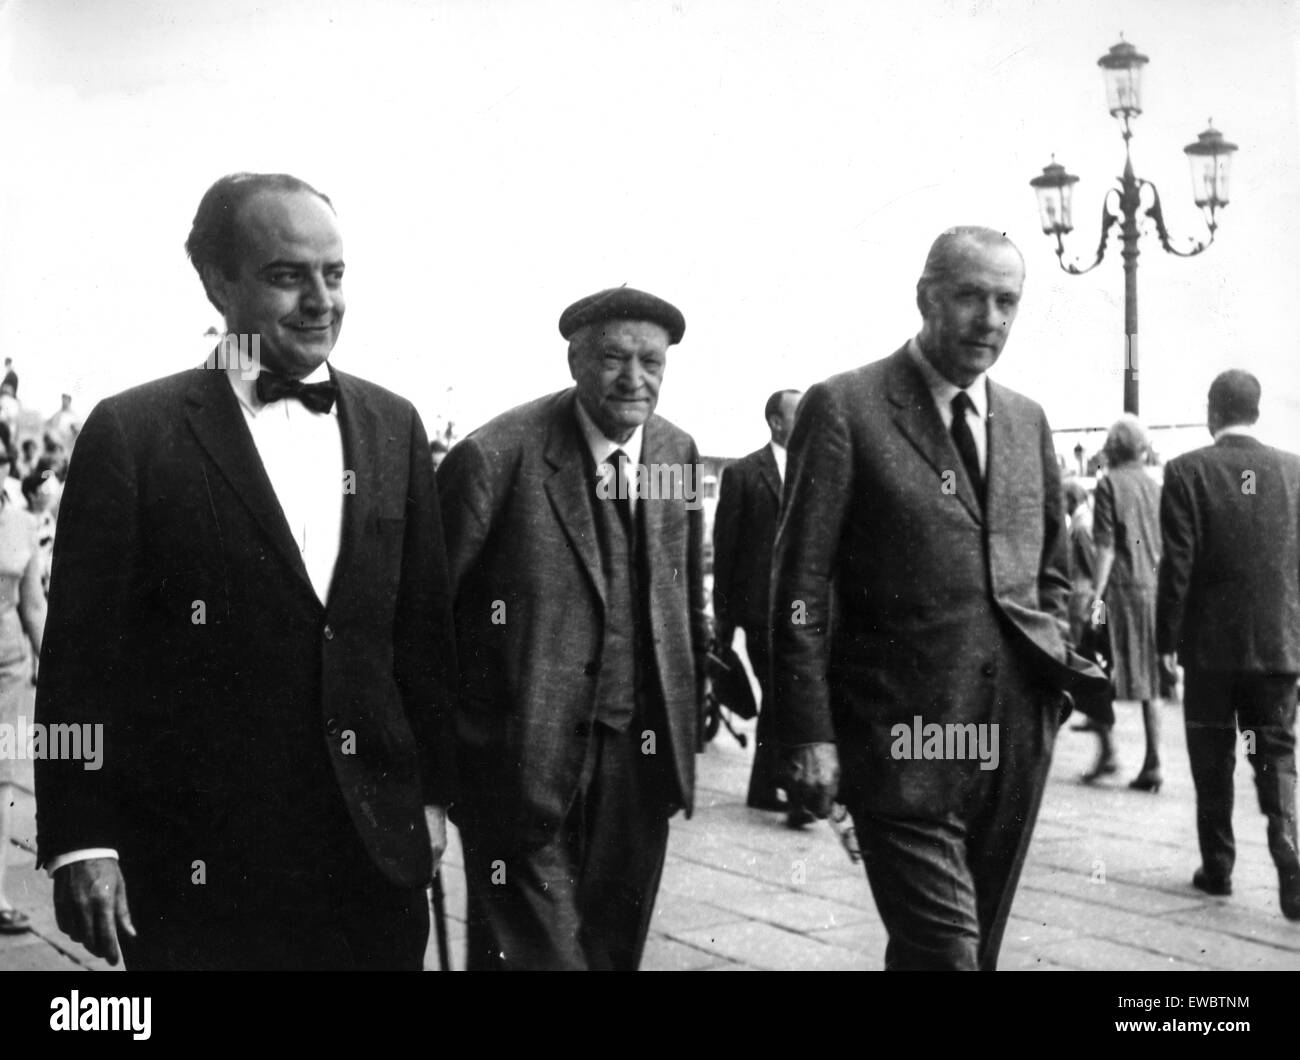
point(744, 529)
point(1229, 604)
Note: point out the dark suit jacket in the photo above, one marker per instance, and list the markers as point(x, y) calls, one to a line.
point(226, 726)
point(1229, 587)
point(744, 529)
point(517, 507)
point(929, 591)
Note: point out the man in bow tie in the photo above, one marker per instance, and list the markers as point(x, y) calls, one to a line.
point(575, 541)
point(919, 588)
point(250, 596)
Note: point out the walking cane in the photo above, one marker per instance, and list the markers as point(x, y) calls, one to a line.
point(440, 923)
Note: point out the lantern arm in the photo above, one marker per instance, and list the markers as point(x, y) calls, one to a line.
point(1108, 219)
point(1156, 213)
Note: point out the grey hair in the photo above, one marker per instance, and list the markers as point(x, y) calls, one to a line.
point(947, 248)
point(1126, 441)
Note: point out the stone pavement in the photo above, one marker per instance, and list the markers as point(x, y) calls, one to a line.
point(1106, 885)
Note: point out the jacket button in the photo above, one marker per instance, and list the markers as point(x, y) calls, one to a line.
point(329, 632)
point(332, 726)
point(591, 669)
point(988, 669)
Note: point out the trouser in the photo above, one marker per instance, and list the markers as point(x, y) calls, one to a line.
point(944, 879)
point(765, 774)
point(1264, 706)
point(584, 899)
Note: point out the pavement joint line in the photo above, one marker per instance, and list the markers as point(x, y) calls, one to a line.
point(1158, 953)
point(778, 927)
point(62, 947)
point(1171, 912)
point(759, 918)
point(691, 945)
point(1255, 939)
point(789, 888)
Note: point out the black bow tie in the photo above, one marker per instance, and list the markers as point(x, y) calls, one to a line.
point(315, 397)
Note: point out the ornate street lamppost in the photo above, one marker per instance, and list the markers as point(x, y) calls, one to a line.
point(1210, 158)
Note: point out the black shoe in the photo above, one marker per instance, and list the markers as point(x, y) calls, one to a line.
point(1203, 881)
point(1288, 892)
point(1148, 780)
point(799, 818)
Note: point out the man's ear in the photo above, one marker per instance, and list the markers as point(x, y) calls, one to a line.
point(921, 300)
point(216, 286)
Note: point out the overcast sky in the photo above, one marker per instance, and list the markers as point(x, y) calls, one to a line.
point(777, 170)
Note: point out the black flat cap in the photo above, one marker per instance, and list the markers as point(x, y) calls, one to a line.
point(623, 303)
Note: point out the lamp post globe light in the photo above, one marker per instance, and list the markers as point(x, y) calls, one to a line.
point(1210, 159)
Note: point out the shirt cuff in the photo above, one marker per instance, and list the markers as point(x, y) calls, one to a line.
point(54, 864)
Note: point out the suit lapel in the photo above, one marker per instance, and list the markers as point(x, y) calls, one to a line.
point(1009, 451)
point(918, 420)
point(569, 488)
point(653, 511)
point(362, 450)
point(218, 424)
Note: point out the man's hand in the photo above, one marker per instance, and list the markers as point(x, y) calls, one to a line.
point(435, 818)
point(814, 772)
point(1170, 661)
point(90, 905)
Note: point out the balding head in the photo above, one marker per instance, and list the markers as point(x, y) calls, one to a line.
point(968, 295)
point(958, 246)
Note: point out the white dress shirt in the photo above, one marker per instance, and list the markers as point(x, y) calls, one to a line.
point(778, 453)
point(943, 392)
point(1235, 428)
point(302, 452)
point(603, 448)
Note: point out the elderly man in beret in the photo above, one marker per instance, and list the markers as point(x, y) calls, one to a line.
point(574, 538)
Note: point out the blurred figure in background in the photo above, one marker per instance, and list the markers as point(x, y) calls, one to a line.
point(65, 424)
point(42, 490)
point(11, 377)
point(27, 458)
point(438, 450)
point(1088, 641)
point(743, 531)
point(22, 622)
point(56, 452)
point(1229, 605)
point(1082, 558)
point(1126, 531)
point(9, 410)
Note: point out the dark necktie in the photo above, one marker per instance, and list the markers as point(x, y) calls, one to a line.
point(315, 397)
point(622, 498)
point(965, 441)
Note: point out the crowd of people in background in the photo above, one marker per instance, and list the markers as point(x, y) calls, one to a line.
point(29, 505)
